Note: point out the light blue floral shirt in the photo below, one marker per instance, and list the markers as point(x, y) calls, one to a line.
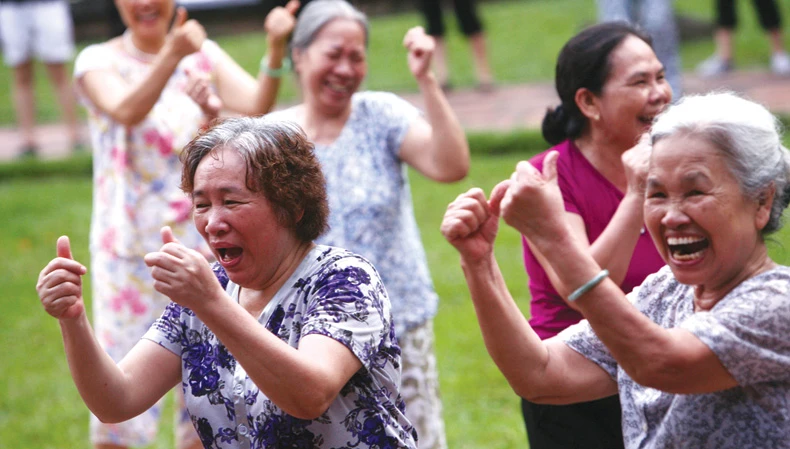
point(333, 293)
point(748, 330)
point(370, 203)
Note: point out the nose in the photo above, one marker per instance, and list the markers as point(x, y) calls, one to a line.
point(674, 217)
point(660, 91)
point(343, 67)
point(215, 223)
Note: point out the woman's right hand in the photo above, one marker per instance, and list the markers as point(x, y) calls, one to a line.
point(59, 284)
point(471, 222)
point(280, 22)
point(186, 36)
point(636, 162)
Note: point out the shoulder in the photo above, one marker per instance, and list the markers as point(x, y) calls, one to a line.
point(381, 102)
point(94, 57)
point(564, 150)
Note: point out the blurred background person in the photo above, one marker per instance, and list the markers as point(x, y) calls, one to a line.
point(611, 86)
point(42, 30)
point(284, 344)
point(365, 142)
point(472, 28)
point(722, 61)
point(657, 19)
point(148, 92)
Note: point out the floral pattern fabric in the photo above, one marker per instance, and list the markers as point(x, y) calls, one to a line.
point(371, 211)
point(748, 330)
point(333, 293)
point(136, 191)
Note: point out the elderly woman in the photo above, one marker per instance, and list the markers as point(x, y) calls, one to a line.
point(290, 344)
point(700, 352)
point(611, 85)
point(365, 142)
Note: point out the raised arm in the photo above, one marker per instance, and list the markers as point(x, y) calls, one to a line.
point(548, 372)
point(245, 95)
point(303, 382)
point(129, 104)
point(112, 393)
point(435, 147)
point(672, 360)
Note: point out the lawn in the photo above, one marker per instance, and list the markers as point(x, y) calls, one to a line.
point(520, 50)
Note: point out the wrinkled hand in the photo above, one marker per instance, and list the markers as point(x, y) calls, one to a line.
point(186, 36)
point(59, 284)
point(471, 223)
point(533, 203)
point(636, 162)
point(200, 90)
point(182, 274)
point(420, 48)
point(280, 23)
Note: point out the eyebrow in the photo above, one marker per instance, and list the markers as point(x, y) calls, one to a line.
point(223, 190)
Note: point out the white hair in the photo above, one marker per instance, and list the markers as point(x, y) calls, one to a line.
point(317, 14)
point(749, 137)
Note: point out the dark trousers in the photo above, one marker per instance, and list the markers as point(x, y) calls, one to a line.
point(586, 425)
point(767, 13)
point(465, 12)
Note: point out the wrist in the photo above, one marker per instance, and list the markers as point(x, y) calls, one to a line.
point(273, 69)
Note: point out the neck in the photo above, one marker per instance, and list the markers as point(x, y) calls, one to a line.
point(145, 49)
point(605, 157)
point(706, 296)
point(322, 126)
point(261, 295)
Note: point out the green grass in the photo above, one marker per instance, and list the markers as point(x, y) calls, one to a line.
point(524, 38)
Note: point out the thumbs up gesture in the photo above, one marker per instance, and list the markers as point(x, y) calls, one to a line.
point(182, 274)
point(280, 23)
point(59, 285)
point(186, 36)
point(420, 47)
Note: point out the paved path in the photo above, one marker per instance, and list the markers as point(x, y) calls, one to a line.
point(506, 108)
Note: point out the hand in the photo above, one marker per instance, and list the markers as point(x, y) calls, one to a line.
point(636, 162)
point(471, 223)
point(420, 47)
point(533, 203)
point(280, 23)
point(186, 36)
point(182, 274)
point(200, 90)
point(59, 284)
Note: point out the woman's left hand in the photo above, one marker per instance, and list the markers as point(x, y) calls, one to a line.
point(201, 92)
point(420, 47)
point(182, 274)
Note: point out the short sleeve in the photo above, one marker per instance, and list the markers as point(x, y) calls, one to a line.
point(749, 330)
point(169, 330)
point(349, 304)
point(581, 338)
point(387, 111)
point(93, 57)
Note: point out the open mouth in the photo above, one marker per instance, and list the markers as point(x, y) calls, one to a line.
point(687, 248)
point(228, 255)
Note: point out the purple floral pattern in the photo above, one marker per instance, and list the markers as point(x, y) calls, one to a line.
point(333, 293)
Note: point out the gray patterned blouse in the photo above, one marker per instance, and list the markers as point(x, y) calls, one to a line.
point(749, 331)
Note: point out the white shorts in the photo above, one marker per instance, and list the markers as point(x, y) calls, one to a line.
point(40, 29)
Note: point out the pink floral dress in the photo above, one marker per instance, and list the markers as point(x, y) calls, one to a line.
point(136, 191)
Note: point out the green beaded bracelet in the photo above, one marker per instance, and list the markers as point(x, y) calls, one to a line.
point(588, 286)
point(275, 73)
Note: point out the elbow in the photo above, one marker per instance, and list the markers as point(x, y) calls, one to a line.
point(663, 375)
point(455, 173)
point(310, 407)
point(127, 118)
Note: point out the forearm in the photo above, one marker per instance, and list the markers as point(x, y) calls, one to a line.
point(98, 379)
point(449, 147)
point(515, 348)
point(614, 248)
point(137, 102)
point(281, 372)
point(268, 86)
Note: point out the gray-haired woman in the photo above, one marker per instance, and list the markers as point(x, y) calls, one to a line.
point(700, 351)
point(284, 344)
point(365, 141)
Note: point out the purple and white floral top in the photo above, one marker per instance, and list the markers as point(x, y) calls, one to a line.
point(333, 293)
point(748, 330)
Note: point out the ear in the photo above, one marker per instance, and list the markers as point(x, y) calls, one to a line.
point(296, 59)
point(587, 102)
point(764, 204)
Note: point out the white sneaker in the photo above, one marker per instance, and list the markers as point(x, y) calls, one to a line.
point(713, 66)
point(780, 63)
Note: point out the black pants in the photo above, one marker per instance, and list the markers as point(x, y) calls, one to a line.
point(586, 425)
point(465, 12)
point(767, 13)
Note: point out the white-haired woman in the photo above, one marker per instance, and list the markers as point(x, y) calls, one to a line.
point(365, 141)
point(700, 352)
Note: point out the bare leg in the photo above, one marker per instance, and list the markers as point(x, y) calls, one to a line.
point(24, 102)
point(723, 38)
point(775, 38)
point(480, 56)
point(440, 61)
point(68, 103)
point(108, 446)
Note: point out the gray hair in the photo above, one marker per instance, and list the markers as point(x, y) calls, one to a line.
point(318, 13)
point(280, 164)
point(749, 137)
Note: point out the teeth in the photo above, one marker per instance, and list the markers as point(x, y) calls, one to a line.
point(685, 257)
point(683, 240)
point(338, 88)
